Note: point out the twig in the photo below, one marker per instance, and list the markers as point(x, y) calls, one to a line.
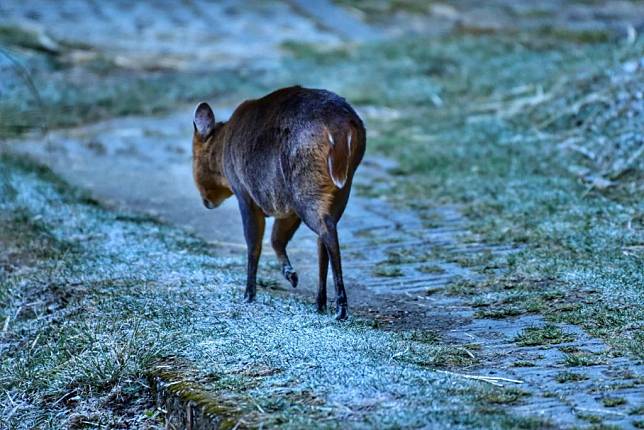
point(494, 380)
point(259, 408)
point(571, 143)
point(9, 397)
point(468, 352)
point(399, 354)
point(64, 397)
point(33, 345)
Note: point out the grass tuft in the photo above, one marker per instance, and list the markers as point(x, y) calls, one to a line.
point(540, 336)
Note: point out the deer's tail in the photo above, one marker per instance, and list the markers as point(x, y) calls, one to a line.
point(340, 155)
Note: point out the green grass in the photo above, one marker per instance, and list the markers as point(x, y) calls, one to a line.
point(639, 410)
point(583, 359)
point(611, 402)
point(431, 268)
point(540, 336)
point(564, 377)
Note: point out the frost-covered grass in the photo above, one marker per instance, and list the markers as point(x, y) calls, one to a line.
point(538, 139)
point(93, 301)
point(45, 87)
point(501, 124)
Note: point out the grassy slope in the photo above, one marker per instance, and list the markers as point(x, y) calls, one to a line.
point(480, 121)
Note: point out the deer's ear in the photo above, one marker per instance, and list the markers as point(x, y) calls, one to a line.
point(204, 121)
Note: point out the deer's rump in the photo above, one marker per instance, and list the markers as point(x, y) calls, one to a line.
point(294, 150)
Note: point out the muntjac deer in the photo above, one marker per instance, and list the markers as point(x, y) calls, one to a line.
point(291, 155)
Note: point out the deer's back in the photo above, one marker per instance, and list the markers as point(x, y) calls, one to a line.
point(277, 148)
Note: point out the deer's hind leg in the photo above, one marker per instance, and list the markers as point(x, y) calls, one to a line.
point(323, 269)
point(325, 225)
point(283, 231)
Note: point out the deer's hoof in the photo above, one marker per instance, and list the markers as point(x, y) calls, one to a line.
point(341, 312)
point(290, 275)
point(249, 296)
point(321, 306)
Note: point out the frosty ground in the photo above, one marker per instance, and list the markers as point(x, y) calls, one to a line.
point(496, 228)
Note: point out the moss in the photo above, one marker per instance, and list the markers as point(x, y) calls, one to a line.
point(402, 256)
point(426, 336)
point(462, 287)
point(443, 356)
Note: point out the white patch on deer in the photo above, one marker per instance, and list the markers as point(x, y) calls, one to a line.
point(349, 142)
point(338, 182)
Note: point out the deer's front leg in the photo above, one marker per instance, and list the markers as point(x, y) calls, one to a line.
point(253, 221)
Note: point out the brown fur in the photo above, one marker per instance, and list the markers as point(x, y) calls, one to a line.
point(292, 155)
